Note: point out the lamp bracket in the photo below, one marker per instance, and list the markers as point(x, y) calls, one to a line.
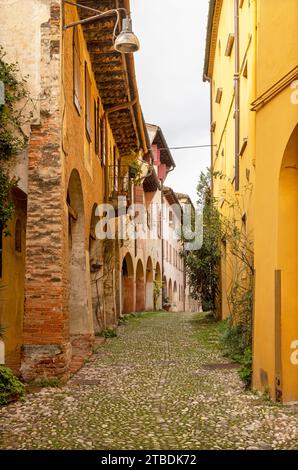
point(99, 14)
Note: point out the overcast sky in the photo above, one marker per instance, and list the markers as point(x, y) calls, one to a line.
point(169, 69)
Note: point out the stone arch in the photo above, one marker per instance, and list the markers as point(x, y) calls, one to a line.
point(96, 274)
point(158, 300)
point(164, 289)
point(127, 284)
point(80, 312)
point(175, 296)
point(140, 287)
point(170, 291)
point(287, 274)
point(149, 285)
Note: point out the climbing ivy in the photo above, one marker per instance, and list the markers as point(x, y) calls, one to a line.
point(12, 137)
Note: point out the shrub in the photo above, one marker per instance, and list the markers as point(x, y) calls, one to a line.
point(245, 372)
point(10, 387)
point(109, 333)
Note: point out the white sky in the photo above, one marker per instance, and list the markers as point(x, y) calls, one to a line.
point(169, 69)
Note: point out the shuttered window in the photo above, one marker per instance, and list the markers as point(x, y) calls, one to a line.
point(103, 140)
point(77, 85)
point(88, 106)
point(97, 126)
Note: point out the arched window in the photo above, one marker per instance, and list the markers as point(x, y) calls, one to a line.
point(18, 236)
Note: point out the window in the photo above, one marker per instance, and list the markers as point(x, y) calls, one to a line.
point(243, 146)
point(18, 237)
point(149, 217)
point(77, 86)
point(245, 72)
point(218, 95)
point(230, 43)
point(1, 252)
point(171, 218)
point(96, 126)
point(159, 224)
point(103, 131)
point(116, 168)
point(88, 110)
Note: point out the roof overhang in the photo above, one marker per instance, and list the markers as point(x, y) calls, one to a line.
point(170, 196)
point(157, 138)
point(185, 199)
point(151, 182)
point(116, 78)
point(211, 39)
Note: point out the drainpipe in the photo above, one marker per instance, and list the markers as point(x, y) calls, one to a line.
point(237, 92)
point(162, 243)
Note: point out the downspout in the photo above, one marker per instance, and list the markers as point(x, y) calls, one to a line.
point(162, 244)
point(237, 92)
point(211, 136)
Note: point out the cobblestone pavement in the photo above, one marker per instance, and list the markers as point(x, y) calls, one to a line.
point(152, 387)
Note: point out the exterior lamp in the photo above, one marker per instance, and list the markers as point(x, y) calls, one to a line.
point(126, 42)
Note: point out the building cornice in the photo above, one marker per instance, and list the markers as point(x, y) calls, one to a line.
point(211, 39)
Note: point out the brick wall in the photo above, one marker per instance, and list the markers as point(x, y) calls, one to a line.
point(46, 349)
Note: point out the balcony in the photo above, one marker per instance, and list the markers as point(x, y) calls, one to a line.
point(120, 182)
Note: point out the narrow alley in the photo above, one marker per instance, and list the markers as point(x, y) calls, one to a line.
point(160, 384)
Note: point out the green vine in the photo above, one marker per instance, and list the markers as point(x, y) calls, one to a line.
point(12, 137)
point(157, 286)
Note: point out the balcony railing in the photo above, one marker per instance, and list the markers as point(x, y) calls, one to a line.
point(120, 182)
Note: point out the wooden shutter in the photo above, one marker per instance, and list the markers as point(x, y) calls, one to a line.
point(88, 109)
point(77, 86)
point(96, 126)
point(103, 139)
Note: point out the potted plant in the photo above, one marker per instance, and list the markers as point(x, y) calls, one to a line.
point(134, 165)
point(166, 305)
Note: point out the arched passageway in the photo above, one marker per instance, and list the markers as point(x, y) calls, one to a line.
point(149, 285)
point(96, 274)
point(170, 292)
point(287, 274)
point(127, 284)
point(80, 311)
point(175, 297)
point(158, 298)
point(140, 288)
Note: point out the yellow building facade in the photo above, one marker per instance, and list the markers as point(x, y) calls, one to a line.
point(251, 63)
